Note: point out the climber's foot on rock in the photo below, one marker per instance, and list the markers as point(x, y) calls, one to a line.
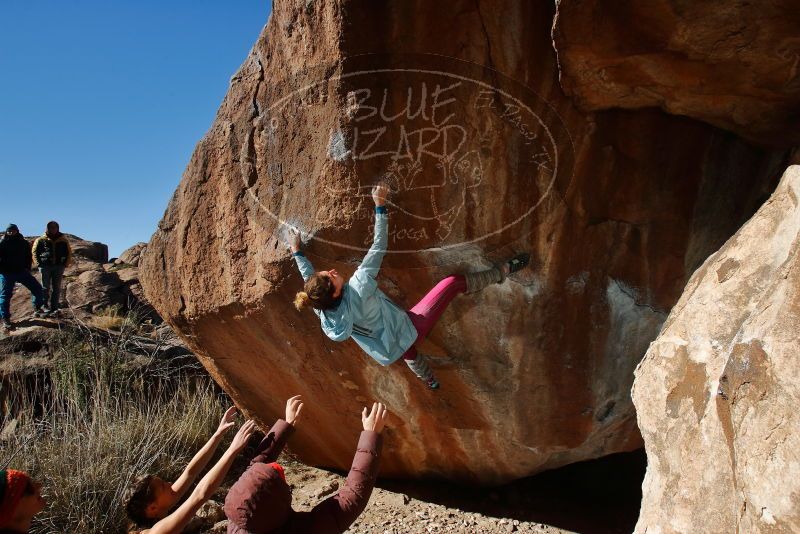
point(518, 262)
point(432, 383)
point(420, 367)
point(7, 326)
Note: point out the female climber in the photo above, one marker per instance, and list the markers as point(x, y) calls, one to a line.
point(357, 308)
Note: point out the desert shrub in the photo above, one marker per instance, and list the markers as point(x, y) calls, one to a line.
point(109, 318)
point(97, 423)
point(120, 266)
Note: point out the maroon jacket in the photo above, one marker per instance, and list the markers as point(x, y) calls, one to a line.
point(260, 501)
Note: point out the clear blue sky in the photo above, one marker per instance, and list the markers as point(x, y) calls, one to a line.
point(102, 103)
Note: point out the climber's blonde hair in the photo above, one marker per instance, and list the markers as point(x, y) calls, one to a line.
point(317, 293)
point(301, 300)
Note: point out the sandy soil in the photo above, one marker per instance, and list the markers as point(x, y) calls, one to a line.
point(392, 512)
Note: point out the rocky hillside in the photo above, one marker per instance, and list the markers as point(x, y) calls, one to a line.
point(93, 284)
point(477, 114)
point(97, 294)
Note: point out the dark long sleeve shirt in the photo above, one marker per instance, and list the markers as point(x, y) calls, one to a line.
point(260, 502)
point(15, 254)
point(336, 513)
point(273, 443)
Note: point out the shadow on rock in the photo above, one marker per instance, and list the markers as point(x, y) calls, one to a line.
point(594, 497)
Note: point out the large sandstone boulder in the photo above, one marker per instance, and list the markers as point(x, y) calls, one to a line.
point(733, 64)
point(717, 392)
point(616, 207)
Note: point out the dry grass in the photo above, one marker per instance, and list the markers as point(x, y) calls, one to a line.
point(108, 322)
point(95, 422)
point(110, 318)
point(119, 267)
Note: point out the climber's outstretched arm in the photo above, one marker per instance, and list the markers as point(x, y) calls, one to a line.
point(271, 446)
point(371, 263)
point(337, 513)
point(303, 263)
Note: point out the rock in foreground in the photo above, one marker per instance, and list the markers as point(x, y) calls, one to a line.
point(717, 392)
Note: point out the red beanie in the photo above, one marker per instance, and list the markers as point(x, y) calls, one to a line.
point(12, 486)
point(279, 468)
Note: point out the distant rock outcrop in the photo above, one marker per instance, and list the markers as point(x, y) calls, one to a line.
point(91, 284)
point(132, 255)
point(717, 393)
point(97, 299)
point(617, 208)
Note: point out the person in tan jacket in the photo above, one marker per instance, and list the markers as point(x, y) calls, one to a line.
point(52, 254)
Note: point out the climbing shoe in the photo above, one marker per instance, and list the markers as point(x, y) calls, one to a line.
point(518, 262)
point(419, 366)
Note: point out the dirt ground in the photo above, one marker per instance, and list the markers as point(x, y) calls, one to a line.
point(601, 496)
point(394, 512)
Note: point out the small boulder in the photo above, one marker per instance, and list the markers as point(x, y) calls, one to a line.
point(132, 255)
point(211, 512)
point(95, 290)
point(219, 528)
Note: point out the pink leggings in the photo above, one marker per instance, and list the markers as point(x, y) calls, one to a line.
point(426, 312)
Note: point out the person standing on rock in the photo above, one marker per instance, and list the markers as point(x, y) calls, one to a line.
point(20, 500)
point(261, 501)
point(16, 261)
point(357, 308)
point(52, 254)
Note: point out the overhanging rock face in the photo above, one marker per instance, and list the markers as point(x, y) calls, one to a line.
point(735, 65)
point(617, 208)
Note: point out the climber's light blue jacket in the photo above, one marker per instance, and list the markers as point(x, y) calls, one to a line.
point(364, 313)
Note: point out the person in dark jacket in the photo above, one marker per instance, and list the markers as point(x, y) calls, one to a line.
point(260, 501)
point(20, 500)
point(16, 260)
point(52, 254)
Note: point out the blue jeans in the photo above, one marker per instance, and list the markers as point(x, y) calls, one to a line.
point(51, 280)
point(7, 283)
